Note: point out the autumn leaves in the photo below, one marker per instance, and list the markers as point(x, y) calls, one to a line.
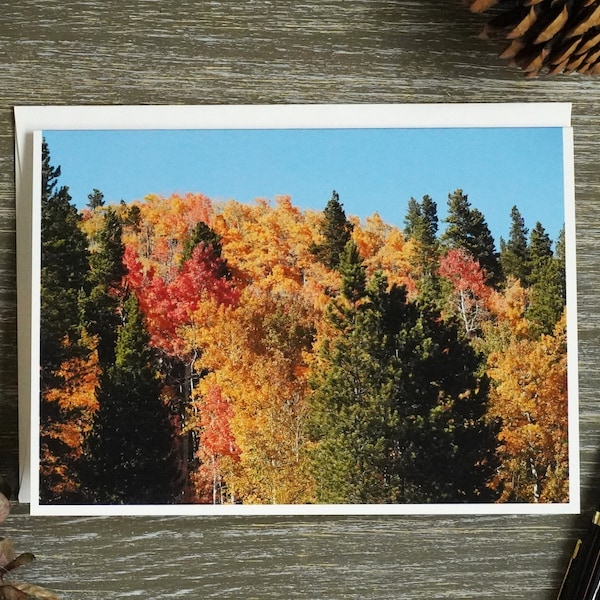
point(260, 353)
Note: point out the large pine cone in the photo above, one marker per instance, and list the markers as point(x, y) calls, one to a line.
point(546, 36)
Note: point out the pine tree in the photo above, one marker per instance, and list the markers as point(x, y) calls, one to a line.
point(514, 254)
point(547, 281)
point(105, 279)
point(64, 266)
point(95, 199)
point(335, 231)
point(352, 415)
point(421, 226)
point(129, 454)
point(467, 229)
point(540, 250)
point(421, 221)
point(50, 173)
point(353, 273)
point(398, 410)
point(209, 238)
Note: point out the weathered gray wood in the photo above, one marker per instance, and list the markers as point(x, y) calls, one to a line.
point(191, 52)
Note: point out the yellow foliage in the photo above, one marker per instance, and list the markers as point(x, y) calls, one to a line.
point(529, 395)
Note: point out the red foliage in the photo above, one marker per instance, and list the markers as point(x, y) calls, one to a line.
point(216, 439)
point(464, 272)
point(218, 451)
point(170, 303)
point(471, 293)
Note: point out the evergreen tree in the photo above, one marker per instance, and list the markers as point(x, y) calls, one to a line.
point(202, 234)
point(353, 272)
point(540, 250)
point(50, 173)
point(95, 199)
point(514, 254)
point(335, 230)
point(421, 221)
point(64, 266)
point(547, 281)
point(209, 238)
point(129, 453)
point(105, 279)
point(398, 411)
point(467, 229)
point(421, 226)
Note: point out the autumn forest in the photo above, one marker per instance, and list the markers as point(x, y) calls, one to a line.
point(212, 352)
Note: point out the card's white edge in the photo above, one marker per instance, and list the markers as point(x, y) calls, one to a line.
point(34, 303)
point(525, 114)
point(572, 320)
point(31, 120)
point(299, 510)
point(24, 193)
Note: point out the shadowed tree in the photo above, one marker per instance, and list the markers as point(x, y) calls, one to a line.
point(64, 267)
point(129, 454)
point(106, 276)
point(397, 411)
point(63, 281)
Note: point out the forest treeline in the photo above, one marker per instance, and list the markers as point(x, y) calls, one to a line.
point(221, 352)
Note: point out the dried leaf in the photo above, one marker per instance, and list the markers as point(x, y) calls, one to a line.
point(21, 560)
point(33, 591)
point(9, 592)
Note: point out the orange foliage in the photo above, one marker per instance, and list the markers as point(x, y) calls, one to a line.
point(530, 398)
point(163, 226)
point(264, 245)
point(384, 248)
point(258, 368)
point(509, 307)
point(77, 403)
point(249, 340)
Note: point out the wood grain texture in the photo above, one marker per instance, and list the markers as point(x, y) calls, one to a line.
point(208, 52)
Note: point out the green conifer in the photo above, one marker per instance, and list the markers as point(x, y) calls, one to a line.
point(397, 413)
point(335, 231)
point(64, 268)
point(101, 306)
point(547, 281)
point(514, 254)
point(467, 229)
point(129, 455)
point(421, 226)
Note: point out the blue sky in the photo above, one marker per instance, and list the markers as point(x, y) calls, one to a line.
point(371, 169)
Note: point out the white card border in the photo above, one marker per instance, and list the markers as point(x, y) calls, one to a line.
point(30, 121)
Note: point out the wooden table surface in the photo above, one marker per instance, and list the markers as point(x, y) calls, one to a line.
point(259, 51)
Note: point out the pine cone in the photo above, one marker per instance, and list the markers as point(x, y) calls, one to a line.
point(546, 36)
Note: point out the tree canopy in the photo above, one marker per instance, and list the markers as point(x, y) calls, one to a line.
point(195, 350)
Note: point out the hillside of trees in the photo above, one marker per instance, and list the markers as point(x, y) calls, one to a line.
point(219, 352)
